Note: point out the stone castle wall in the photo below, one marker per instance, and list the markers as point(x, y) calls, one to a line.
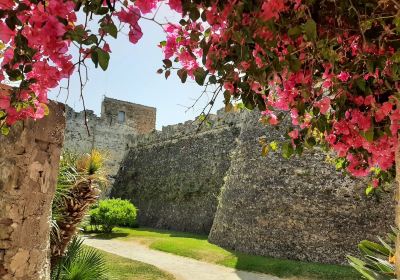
point(107, 133)
point(174, 176)
point(300, 208)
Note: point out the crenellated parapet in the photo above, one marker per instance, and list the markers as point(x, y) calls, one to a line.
point(213, 123)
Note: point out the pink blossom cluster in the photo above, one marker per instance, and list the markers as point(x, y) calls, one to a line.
point(359, 122)
point(51, 61)
point(44, 26)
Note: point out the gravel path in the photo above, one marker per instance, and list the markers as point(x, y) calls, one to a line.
point(181, 267)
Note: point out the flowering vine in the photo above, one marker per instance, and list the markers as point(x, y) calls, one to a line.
point(330, 69)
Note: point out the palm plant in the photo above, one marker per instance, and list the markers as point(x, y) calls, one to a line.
point(80, 263)
point(378, 258)
point(78, 187)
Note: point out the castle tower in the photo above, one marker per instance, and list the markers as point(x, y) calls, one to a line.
point(111, 132)
point(142, 119)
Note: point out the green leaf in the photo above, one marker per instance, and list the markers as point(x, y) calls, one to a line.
point(92, 39)
point(322, 123)
point(12, 20)
point(361, 84)
point(163, 43)
point(182, 74)
point(14, 74)
point(194, 14)
point(95, 58)
point(111, 29)
point(294, 64)
point(199, 76)
point(371, 248)
point(287, 150)
point(5, 130)
point(310, 28)
point(339, 163)
point(28, 68)
point(369, 190)
point(369, 134)
point(294, 32)
point(360, 266)
point(274, 145)
point(167, 63)
point(396, 22)
point(167, 74)
point(265, 150)
point(104, 58)
point(212, 79)
point(102, 11)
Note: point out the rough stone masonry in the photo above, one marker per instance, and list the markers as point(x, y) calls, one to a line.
point(215, 181)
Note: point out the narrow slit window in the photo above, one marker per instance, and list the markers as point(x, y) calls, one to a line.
point(121, 116)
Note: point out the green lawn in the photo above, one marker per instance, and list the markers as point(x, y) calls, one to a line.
point(125, 269)
point(197, 247)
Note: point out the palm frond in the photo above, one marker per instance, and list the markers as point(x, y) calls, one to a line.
point(80, 263)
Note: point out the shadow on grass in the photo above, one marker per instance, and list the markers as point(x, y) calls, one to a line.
point(169, 233)
point(290, 268)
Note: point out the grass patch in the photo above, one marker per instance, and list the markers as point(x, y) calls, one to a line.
point(197, 247)
point(125, 269)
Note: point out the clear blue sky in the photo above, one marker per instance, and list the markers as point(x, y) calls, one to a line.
point(131, 76)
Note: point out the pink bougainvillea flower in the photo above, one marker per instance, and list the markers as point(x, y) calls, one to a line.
point(383, 111)
point(229, 87)
point(135, 34)
point(175, 5)
point(273, 119)
point(272, 8)
point(344, 76)
point(294, 134)
point(146, 6)
point(6, 34)
point(324, 105)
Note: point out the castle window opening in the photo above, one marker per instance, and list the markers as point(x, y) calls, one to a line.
point(121, 116)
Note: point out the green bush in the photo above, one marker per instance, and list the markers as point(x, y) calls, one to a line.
point(113, 212)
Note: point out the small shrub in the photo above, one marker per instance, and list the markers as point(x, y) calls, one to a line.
point(113, 212)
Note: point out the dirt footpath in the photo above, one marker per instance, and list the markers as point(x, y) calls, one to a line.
point(181, 267)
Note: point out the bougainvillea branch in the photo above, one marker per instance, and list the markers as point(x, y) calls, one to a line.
point(330, 66)
point(37, 40)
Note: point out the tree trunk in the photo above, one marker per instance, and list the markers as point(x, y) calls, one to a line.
point(29, 158)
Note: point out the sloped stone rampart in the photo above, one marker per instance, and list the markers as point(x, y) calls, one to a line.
point(299, 208)
point(174, 177)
